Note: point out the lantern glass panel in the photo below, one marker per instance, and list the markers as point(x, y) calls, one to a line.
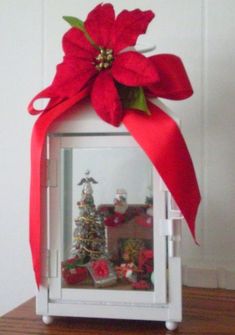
point(107, 218)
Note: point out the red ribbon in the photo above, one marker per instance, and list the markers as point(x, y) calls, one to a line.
point(36, 210)
point(158, 135)
point(161, 139)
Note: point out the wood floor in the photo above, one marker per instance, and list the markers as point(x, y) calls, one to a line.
point(206, 312)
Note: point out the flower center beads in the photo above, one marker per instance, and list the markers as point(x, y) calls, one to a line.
point(104, 59)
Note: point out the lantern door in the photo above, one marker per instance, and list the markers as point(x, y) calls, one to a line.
point(105, 213)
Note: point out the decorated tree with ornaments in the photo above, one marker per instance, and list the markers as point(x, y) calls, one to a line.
point(89, 234)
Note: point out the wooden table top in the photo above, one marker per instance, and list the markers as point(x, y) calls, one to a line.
point(206, 312)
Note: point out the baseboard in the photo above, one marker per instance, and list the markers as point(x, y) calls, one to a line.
point(208, 277)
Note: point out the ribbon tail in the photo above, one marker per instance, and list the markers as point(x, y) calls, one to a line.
point(161, 139)
point(37, 179)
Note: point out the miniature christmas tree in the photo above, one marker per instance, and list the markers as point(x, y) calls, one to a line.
point(89, 234)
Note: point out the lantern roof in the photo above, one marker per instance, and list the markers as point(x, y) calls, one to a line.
point(82, 118)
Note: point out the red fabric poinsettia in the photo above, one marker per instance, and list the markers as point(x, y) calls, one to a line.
point(101, 62)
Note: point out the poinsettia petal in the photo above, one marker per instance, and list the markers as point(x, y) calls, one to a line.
point(99, 24)
point(134, 69)
point(76, 44)
point(128, 26)
point(72, 75)
point(105, 99)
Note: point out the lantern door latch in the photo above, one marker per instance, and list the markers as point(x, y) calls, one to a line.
point(166, 227)
point(171, 228)
point(52, 173)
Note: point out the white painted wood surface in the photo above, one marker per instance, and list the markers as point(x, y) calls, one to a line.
point(202, 32)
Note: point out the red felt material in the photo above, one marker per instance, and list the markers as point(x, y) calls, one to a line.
point(105, 99)
point(72, 75)
point(99, 24)
point(158, 135)
point(133, 69)
point(128, 26)
point(77, 45)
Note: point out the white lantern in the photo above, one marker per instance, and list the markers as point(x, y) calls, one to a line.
point(119, 256)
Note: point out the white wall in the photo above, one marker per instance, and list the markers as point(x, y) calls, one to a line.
point(20, 78)
point(202, 33)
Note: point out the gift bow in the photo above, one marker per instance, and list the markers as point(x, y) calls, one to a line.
point(117, 90)
point(100, 268)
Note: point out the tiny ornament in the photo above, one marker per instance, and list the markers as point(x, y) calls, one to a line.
point(120, 201)
point(126, 271)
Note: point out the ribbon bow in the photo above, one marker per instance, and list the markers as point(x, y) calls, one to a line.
point(119, 81)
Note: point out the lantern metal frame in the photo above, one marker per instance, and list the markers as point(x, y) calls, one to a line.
point(78, 128)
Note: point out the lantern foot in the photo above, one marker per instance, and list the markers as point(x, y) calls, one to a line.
point(171, 325)
point(47, 319)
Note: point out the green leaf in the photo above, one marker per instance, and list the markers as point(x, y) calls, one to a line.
point(75, 22)
point(137, 100)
